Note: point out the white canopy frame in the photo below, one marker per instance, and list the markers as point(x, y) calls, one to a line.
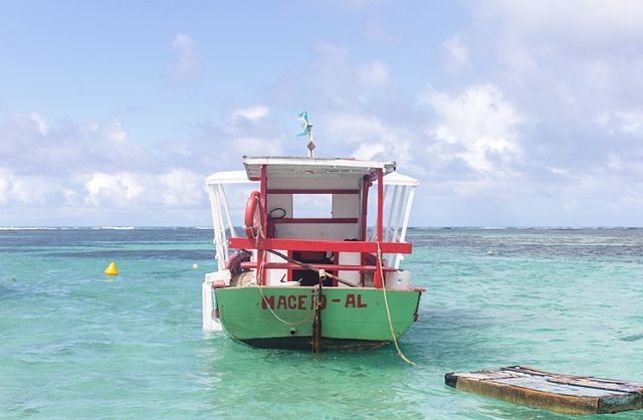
point(399, 193)
point(221, 215)
point(398, 201)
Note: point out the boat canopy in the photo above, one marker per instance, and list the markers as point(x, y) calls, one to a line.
point(398, 193)
point(315, 167)
point(241, 177)
point(228, 177)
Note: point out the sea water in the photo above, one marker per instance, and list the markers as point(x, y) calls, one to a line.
point(75, 343)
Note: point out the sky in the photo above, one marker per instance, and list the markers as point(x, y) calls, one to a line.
point(510, 113)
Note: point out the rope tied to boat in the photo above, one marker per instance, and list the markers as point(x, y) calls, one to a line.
point(283, 321)
point(388, 310)
point(259, 286)
point(317, 322)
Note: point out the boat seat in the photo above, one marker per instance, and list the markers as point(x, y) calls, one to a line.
point(307, 277)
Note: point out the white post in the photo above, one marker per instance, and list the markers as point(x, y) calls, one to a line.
point(398, 213)
point(224, 200)
point(391, 207)
point(405, 224)
point(222, 227)
point(216, 221)
point(310, 146)
point(207, 306)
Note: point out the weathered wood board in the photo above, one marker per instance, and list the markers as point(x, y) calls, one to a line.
point(561, 393)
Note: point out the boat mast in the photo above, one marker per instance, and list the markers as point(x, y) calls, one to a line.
point(307, 130)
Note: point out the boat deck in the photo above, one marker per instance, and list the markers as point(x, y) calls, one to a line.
point(562, 393)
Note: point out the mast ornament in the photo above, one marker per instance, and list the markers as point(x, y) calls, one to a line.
point(307, 130)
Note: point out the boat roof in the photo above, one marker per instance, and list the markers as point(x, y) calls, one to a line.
point(319, 167)
point(241, 177)
point(396, 178)
point(228, 177)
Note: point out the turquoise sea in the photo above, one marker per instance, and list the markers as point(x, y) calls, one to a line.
point(75, 344)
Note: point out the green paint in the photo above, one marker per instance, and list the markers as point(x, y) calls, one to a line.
point(350, 313)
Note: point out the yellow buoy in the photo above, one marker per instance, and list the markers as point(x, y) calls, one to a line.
point(111, 269)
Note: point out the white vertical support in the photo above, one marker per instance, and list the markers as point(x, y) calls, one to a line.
point(207, 307)
point(226, 208)
point(398, 213)
point(223, 211)
point(398, 222)
point(213, 206)
point(405, 224)
point(216, 223)
point(222, 229)
point(389, 223)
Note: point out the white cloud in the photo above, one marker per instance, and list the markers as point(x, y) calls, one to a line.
point(113, 190)
point(375, 139)
point(478, 125)
point(253, 113)
point(181, 187)
point(187, 64)
point(335, 79)
point(91, 164)
point(174, 188)
point(18, 189)
point(357, 128)
point(331, 52)
point(368, 151)
point(30, 145)
point(596, 20)
point(628, 122)
point(37, 118)
point(375, 73)
point(457, 54)
point(4, 185)
point(248, 145)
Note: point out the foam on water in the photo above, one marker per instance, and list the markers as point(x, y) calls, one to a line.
point(78, 344)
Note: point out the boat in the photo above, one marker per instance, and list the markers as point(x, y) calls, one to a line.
point(305, 270)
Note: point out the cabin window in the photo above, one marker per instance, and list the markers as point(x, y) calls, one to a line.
point(312, 205)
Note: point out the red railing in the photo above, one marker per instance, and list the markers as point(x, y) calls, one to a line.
point(367, 249)
point(315, 245)
point(327, 267)
point(331, 220)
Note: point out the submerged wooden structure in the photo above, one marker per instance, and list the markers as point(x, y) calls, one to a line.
point(565, 394)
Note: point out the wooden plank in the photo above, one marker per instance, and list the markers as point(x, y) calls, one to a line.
point(561, 393)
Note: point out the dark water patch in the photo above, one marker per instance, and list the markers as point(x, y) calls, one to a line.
point(632, 338)
point(21, 249)
point(85, 236)
point(8, 292)
point(540, 243)
point(169, 254)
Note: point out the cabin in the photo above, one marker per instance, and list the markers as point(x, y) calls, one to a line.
point(313, 211)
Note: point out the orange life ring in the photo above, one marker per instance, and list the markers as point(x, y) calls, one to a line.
point(252, 218)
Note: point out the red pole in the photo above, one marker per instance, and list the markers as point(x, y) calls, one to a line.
point(263, 200)
point(380, 222)
point(365, 186)
point(261, 272)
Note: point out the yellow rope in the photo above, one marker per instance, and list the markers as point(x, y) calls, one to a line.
point(278, 317)
point(388, 310)
point(259, 278)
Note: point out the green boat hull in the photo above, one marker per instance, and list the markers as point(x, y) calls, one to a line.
point(282, 317)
